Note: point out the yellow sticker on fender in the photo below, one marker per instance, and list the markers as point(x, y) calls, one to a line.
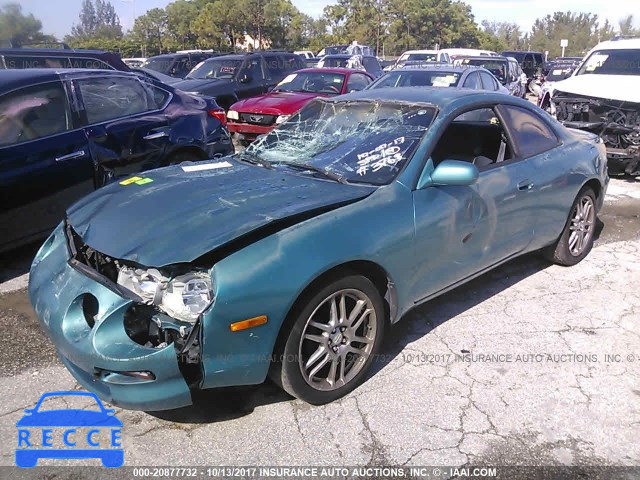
point(136, 180)
point(131, 180)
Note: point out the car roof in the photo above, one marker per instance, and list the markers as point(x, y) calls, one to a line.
point(420, 51)
point(11, 79)
point(622, 44)
point(345, 71)
point(520, 51)
point(437, 67)
point(231, 56)
point(439, 97)
point(484, 57)
point(61, 51)
point(427, 95)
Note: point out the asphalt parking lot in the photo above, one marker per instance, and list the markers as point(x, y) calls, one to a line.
point(530, 364)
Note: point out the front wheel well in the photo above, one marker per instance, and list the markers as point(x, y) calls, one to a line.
point(368, 269)
point(594, 184)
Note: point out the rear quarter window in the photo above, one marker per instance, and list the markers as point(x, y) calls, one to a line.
point(532, 134)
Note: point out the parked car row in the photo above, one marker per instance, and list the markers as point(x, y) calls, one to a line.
point(64, 133)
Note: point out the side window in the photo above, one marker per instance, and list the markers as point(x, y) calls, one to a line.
point(33, 112)
point(276, 67)
point(357, 81)
point(488, 82)
point(292, 63)
point(531, 133)
point(528, 61)
point(254, 68)
point(158, 97)
point(472, 81)
point(113, 97)
point(475, 136)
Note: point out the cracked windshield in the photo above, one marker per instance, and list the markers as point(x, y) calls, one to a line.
point(361, 141)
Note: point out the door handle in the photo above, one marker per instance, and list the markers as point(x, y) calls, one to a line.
point(154, 135)
point(70, 156)
point(525, 185)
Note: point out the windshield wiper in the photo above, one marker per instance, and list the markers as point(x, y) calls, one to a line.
point(254, 159)
point(322, 171)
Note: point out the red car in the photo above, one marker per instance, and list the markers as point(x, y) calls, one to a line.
point(257, 115)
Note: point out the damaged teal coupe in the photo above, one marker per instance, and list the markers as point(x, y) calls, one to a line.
point(291, 259)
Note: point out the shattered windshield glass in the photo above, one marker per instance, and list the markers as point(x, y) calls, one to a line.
point(362, 141)
point(612, 62)
point(315, 82)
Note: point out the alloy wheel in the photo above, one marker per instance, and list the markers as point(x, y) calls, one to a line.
point(337, 339)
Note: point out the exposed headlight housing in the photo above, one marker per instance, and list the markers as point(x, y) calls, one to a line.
point(183, 297)
point(233, 115)
point(282, 119)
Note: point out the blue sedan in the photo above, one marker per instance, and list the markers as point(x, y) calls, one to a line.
point(291, 259)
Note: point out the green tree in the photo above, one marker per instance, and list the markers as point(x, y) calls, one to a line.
point(20, 29)
point(150, 29)
point(582, 30)
point(626, 26)
point(508, 36)
point(218, 26)
point(180, 17)
point(97, 19)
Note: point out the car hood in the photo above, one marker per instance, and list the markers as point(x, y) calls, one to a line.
point(176, 216)
point(612, 87)
point(276, 103)
point(202, 86)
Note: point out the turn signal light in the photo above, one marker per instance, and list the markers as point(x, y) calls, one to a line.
point(248, 323)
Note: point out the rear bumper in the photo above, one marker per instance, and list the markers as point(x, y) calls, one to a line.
point(56, 291)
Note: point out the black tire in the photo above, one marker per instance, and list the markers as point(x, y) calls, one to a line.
point(286, 369)
point(562, 252)
point(181, 156)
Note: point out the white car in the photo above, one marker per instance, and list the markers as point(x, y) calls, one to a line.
point(306, 54)
point(417, 57)
point(134, 62)
point(603, 96)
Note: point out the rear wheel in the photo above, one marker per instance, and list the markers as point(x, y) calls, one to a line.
point(576, 239)
point(333, 342)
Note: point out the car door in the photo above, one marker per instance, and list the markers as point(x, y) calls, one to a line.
point(542, 185)
point(253, 78)
point(127, 128)
point(444, 217)
point(45, 162)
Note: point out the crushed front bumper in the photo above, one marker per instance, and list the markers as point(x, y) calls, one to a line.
point(95, 347)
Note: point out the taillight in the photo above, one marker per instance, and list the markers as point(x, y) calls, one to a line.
point(220, 115)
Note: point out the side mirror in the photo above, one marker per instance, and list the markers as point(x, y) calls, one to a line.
point(452, 172)
point(245, 78)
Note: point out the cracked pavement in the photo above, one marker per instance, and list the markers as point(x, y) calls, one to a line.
point(530, 364)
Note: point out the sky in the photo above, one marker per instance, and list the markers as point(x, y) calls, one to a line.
point(57, 17)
